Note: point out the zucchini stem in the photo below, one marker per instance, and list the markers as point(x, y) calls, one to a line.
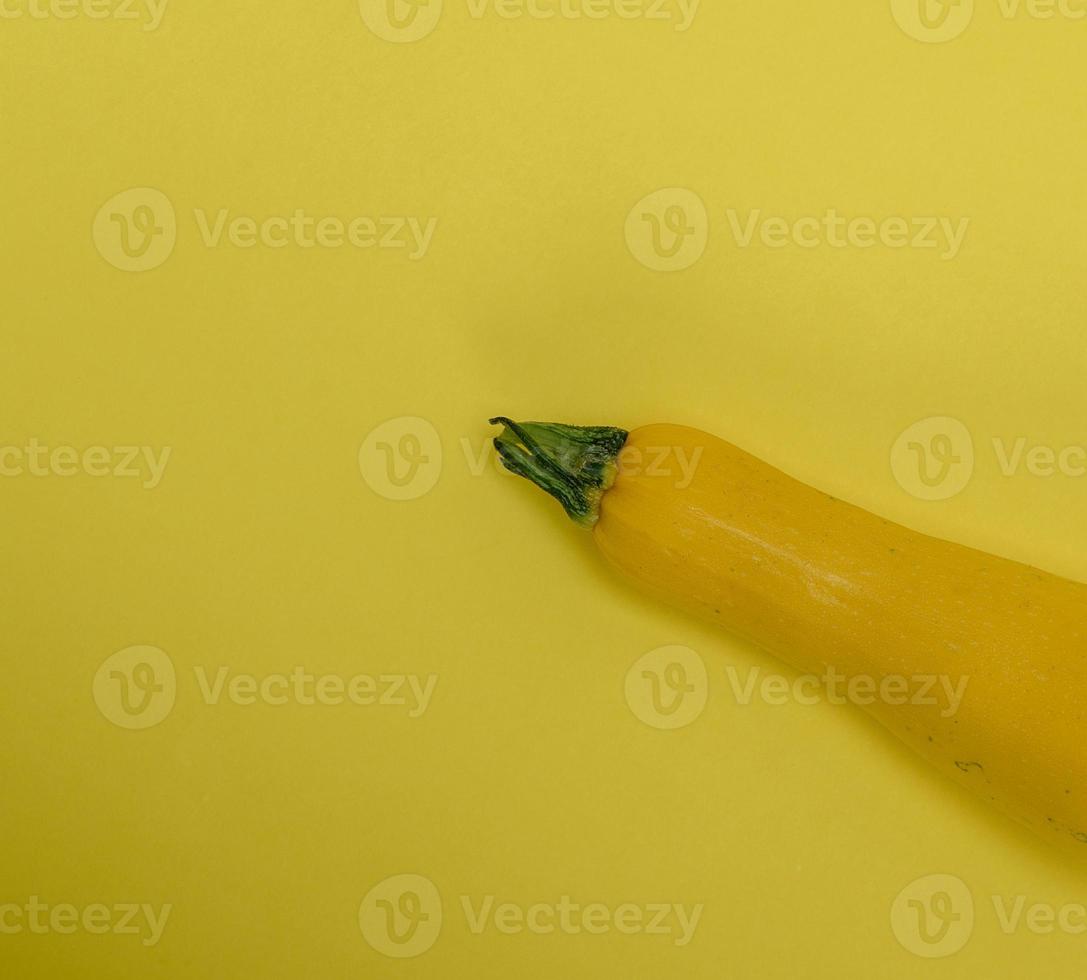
point(573, 463)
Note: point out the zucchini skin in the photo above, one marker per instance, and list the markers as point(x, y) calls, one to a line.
point(821, 583)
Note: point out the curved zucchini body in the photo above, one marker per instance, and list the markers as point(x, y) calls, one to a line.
point(826, 585)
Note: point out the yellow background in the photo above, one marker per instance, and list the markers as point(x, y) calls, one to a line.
point(528, 777)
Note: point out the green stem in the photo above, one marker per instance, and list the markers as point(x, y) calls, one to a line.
point(573, 463)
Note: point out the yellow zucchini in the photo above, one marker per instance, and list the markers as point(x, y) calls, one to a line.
point(824, 584)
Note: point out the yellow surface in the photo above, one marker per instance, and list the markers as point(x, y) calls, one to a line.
point(270, 541)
